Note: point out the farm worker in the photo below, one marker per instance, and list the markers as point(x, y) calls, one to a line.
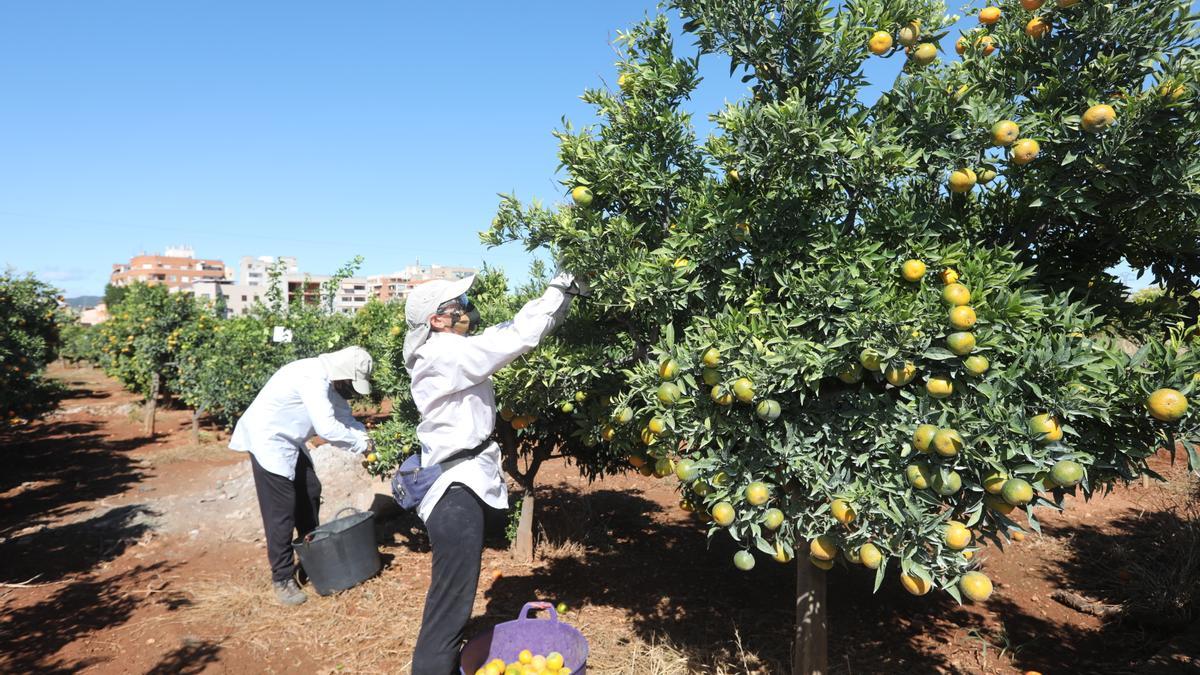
point(452, 388)
point(303, 398)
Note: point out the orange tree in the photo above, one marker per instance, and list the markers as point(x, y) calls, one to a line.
point(29, 339)
point(829, 318)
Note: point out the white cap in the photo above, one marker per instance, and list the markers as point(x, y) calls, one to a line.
point(351, 363)
point(421, 304)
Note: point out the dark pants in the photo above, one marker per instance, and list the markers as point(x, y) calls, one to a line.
point(286, 505)
point(456, 530)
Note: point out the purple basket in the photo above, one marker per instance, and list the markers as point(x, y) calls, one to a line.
point(540, 636)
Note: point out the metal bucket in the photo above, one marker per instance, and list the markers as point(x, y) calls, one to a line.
point(341, 553)
point(540, 636)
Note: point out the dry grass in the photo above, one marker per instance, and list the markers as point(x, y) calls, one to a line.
point(191, 452)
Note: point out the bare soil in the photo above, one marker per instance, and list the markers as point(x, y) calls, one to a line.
point(114, 559)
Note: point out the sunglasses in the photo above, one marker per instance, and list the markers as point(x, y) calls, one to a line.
point(461, 303)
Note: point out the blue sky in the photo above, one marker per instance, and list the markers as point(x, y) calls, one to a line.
point(315, 129)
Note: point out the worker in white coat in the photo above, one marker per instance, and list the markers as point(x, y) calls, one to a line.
point(306, 397)
point(452, 388)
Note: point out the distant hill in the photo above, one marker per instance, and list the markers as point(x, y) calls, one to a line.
point(85, 301)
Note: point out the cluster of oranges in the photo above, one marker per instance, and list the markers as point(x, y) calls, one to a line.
point(527, 663)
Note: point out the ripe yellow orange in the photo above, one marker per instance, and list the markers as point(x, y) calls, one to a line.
point(823, 547)
point(986, 176)
point(975, 586)
point(956, 535)
point(757, 493)
point(962, 180)
point(948, 276)
point(1018, 535)
point(681, 263)
point(961, 343)
point(1037, 28)
point(993, 483)
point(947, 442)
point(880, 43)
point(1025, 151)
point(939, 386)
point(1005, 133)
point(910, 33)
point(741, 231)
point(870, 555)
point(582, 196)
point(712, 357)
point(656, 425)
point(962, 317)
point(968, 554)
point(997, 503)
point(912, 270)
point(723, 513)
point(1046, 427)
point(989, 15)
point(924, 54)
point(1167, 405)
point(976, 365)
point(923, 437)
point(917, 475)
point(960, 46)
point(743, 389)
point(781, 554)
point(956, 294)
point(869, 360)
point(842, 510)
point(986, 45)
point(914, 584)
point(1032, 5)
point(525, 656)
point(1098, 118)
point(1172, 91)
point(772, 519)
point(520, 422)
point(668, 369)
point(669, 393)
point(900, 376)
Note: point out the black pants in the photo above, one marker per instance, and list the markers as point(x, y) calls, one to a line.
point(286, 505)
point(456, 530)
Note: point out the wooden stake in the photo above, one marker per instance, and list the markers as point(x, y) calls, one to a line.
point(522, 546)
point(810, 649)
point(151, 405)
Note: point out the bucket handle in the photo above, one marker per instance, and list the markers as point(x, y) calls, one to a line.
point(524, 615)
point(345, 509)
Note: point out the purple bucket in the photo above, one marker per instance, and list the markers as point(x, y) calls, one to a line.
point(540, 636)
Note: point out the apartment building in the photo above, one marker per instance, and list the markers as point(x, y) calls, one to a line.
point(177, 268)
point(397, 285)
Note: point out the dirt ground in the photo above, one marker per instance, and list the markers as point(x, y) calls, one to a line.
point(110, 563)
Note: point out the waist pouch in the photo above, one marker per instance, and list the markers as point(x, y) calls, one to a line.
point(412, 481)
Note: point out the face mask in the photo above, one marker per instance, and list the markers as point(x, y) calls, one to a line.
point(459, 307)
point(345, 389)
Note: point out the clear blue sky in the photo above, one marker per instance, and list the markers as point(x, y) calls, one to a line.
point(315, 129)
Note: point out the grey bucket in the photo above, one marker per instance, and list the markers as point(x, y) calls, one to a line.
point(341, 553)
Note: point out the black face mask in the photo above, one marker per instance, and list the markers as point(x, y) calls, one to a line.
point(345, 389)
point(459, 307)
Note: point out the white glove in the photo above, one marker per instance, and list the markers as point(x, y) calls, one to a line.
point(567, 283)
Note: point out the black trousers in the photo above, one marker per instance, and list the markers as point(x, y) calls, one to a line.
point(286, 505)
point(456, 531)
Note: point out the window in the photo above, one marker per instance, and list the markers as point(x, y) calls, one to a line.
point(146, 266)
point(243, 298)
point(185, 279)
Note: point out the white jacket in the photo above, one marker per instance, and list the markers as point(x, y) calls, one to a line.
point(452, 389)
point(297, 402)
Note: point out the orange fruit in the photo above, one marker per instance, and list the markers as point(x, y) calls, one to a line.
point(960, 46)
point(962, 317)
point(656, 425)
point(939, 386)
point(912, 270)
point(1046, 427)
point(757, 493)
point(823, 547)
point(723, 513)
point(986, 176)
point(910, 33)
point(1017, 491)
point(741, 231)
point(870, 555)
point(711, 357)
point(975, 586)
point(1005, 133)
point(997, 503)
point(948, 276)
point(947, 442)
point(915, 585)
point(924, 54)
point(1067, 3)
point(821, 564)
point(720, 395)
point(956, 294)
point(917, 475)
point(976, 365)
point(1167, 405)
point(669, 393)
point(869, 360)
point(956, 535)
point(1031, 5)
point(923, 437)
point(1037, 28)
point(781, 554)
point(1066, 473)
point(1025, 151)
point(582, 196)
point(898, 377)
point(1098, 118)
point(1018, 535)
point(986, 45)
point(880, 43)
point(993, 483)
point(772, 519)
point(962, 180)
point(842, 510)
point(851, 374)
point(743, 389)
point(989, 15)
point(961, 343)
point(668, 369)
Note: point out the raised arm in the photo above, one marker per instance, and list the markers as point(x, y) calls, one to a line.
point(315, 395)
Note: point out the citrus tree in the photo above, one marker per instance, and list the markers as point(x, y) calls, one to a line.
point(844, 326)
point(29, 339)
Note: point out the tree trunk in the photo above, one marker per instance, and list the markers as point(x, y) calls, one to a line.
point(151, 405)
point(522, 545)
point(810, 644)
point(196, 426)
